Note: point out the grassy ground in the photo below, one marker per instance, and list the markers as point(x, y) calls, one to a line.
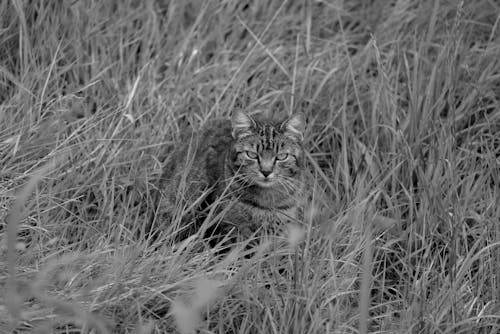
point(402, 101)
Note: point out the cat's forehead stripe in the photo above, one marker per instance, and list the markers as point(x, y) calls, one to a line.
point(267, 133)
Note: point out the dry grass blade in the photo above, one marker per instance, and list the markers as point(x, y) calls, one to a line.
point(366, 282)
point(13, 300)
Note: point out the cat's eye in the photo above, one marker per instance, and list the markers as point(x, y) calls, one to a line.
point(282, 156)
point(252, 155)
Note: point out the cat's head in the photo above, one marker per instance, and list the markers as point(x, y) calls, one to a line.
point(267, 152)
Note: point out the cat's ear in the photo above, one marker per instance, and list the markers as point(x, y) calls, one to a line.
point(294, 126)
point(241, 123)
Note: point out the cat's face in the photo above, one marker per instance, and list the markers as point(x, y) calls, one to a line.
point(268, 153)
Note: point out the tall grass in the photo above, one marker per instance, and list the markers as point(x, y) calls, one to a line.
point(402, 101)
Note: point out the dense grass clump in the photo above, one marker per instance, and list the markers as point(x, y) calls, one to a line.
point(402, 101)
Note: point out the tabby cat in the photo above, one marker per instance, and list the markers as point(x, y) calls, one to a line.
point(252, 167)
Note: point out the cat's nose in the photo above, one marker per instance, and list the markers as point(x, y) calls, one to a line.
point(266, 173)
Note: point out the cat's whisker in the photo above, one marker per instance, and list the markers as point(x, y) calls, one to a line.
point(290, 182)
point(237, 178)
point(287, 186)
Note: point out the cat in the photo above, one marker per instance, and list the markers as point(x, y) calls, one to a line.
point(253, 169)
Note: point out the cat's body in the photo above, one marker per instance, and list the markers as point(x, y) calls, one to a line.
point(254, 170)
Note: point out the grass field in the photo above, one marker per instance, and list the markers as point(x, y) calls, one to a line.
point(402, 102)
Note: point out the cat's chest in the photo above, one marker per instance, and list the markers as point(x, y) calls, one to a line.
point(273, 217)
point(244, 214)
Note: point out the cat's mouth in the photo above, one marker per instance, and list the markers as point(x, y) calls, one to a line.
point(265, 182)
